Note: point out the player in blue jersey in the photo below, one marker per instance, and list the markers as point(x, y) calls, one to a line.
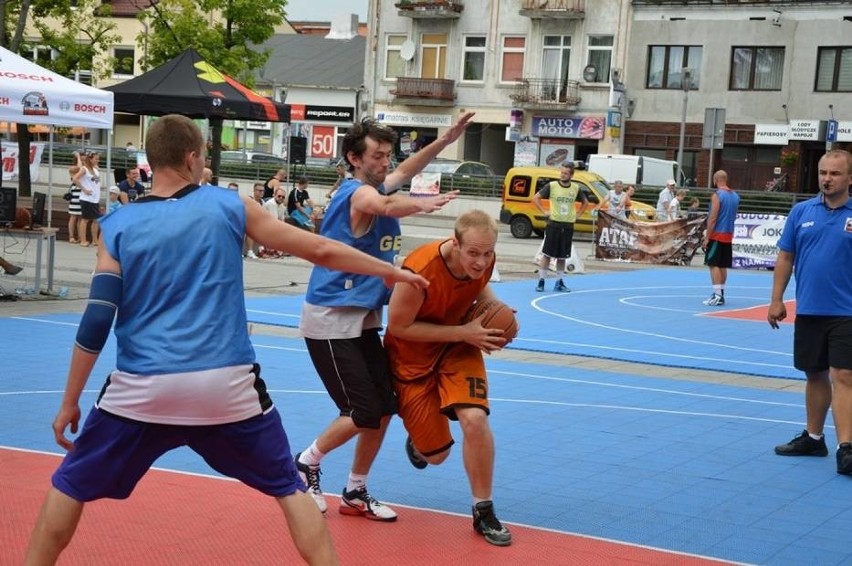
point(718, 241)
point(186, 373)
point(817, 243)
point(342, 314)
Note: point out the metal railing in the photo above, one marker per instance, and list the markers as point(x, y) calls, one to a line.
point(534, 91)
point(415, 87)
point(554, 5)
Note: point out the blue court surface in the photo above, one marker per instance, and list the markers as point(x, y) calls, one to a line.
point(684, 465)
point(651, 316)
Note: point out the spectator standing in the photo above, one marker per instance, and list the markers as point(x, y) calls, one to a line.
point(559, 232)
point(615, 200)
point(342, 312)
point(718, 241)
point(234, 186)
point(130, 188)
point(693, 212)
point(628, 201)
point(278, 180)
point(130, 148)
point(663, 201)
point(434, 358)
point(250, 247)
point(88, 178)
point(186, 370)
point(817, 244)
point(206, 177)
point(74, 212)
point(674, 211)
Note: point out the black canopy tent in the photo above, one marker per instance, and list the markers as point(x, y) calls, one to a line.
point(190, 86)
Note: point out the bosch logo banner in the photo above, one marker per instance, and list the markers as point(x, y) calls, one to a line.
point(90, 108)
point(26, 77)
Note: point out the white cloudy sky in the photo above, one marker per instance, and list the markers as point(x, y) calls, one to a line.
point(323, 10)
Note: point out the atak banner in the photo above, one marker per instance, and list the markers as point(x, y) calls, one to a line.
point(665, 243)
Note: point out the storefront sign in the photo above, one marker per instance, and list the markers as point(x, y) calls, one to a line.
point(412, 119)
point(303, 113)
point(576, 127)
point(809, 130)
point(844, 131)
point(771, 134)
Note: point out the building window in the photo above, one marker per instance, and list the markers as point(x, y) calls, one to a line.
point(41, 55)
point(124, 57)
point(433, 63)
point(394, 63)
point(757, 68)
point(666, 64)
point(512, 59)
point(834, 69)
point(600, 55)
point(473, 61)
point(556, 54)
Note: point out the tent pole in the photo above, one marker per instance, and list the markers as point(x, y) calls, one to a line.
point(109, 176)
point(50, 180)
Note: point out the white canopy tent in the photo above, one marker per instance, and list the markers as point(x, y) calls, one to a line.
point(31, 94)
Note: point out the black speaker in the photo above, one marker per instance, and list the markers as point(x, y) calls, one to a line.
point(39, 200)
point(8, 205)
point(298, 150)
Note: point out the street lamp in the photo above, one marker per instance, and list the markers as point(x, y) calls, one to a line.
point(685, 80)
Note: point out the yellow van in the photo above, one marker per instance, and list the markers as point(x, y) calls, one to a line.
point(519, 212)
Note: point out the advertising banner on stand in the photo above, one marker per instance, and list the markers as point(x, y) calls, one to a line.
point(669, 243)
point(756, 237)
point(10, 162)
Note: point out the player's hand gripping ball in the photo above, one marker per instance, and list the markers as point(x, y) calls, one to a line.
point(497, 314)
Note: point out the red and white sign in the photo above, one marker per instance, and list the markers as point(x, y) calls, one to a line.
point(9, 160)
point(322, 141)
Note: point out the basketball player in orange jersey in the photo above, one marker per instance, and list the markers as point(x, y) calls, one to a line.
point(437, 360)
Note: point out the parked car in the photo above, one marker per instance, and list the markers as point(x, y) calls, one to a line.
point(521, 184)
point(460, 168)
point(257, 157)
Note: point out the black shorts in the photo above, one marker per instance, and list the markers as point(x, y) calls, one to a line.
point(719, 254)
point(558, 237)
point(357, 376)
point(821, 342)
point(90, 210)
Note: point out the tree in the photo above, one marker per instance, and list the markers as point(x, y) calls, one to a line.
point(78, 33)
point(224, 32)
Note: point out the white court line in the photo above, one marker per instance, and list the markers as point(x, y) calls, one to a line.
point(60, 323)
point(643, 388)
point(620, 329)
point(627, 301)
point(273, 313)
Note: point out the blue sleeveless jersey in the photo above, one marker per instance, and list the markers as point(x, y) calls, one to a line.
point(193, 244)
point(729, 202)
point(331, 288)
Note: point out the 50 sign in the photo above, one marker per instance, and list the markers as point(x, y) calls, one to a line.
point(322, 141)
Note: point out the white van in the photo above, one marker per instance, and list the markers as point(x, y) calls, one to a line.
point(633, 169)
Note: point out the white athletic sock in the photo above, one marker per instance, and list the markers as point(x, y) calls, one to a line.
point(480, 500)
point(815, 436)
point(312, 456)
point(718, 290)
point(541, 272)
point(356, 481)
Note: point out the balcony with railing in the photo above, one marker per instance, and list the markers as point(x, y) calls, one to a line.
point(426, 92)
point(546, 93)
point(553, 9)
point(431, 9)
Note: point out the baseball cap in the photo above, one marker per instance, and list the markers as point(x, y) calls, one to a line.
point(671, 182)
point(114, 189)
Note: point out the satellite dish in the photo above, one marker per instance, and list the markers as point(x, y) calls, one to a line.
point(406, 50)
point(590, 74)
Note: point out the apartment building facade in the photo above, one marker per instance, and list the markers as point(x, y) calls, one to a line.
point(555, 79)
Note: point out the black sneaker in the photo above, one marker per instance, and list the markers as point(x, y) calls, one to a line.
point(804, 445)
point(415, 460)
point(844, 459)
point(486, 523)
point(560, 286)
point(540, 287)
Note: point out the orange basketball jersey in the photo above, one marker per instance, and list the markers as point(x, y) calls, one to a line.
point(447, 300)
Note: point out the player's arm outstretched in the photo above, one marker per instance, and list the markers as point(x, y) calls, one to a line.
point(405, 303)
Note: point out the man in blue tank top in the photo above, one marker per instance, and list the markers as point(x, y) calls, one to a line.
point(718, 241)
point(342, 314)
point(186, 373)
point(817, 243)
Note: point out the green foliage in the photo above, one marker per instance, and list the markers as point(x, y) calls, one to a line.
point(222, 31)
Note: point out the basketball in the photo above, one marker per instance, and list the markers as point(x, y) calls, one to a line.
point(22, 218)
point(497, 314)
